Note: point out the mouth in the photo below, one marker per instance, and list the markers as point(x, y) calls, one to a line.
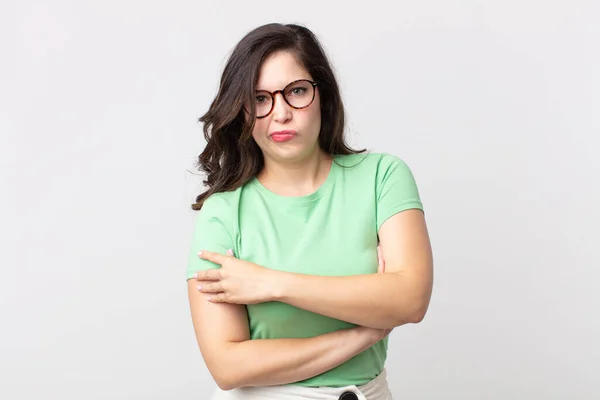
point(282, 136)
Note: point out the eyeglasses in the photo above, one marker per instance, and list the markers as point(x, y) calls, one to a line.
point(298, 94)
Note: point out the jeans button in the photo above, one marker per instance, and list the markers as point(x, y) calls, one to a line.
point(348, 396)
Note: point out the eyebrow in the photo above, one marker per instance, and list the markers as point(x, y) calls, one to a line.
point(293, 80)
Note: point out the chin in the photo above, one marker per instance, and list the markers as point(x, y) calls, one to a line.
point(290, 153)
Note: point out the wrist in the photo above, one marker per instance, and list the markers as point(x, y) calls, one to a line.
point(370, 336)
point(277, 285)
point(364, 337)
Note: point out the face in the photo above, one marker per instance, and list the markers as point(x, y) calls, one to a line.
point(300, 127)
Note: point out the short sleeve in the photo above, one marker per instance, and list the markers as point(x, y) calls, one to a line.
point(396, 188)
point(211, 232)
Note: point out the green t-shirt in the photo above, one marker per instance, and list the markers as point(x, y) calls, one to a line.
point(331, 232)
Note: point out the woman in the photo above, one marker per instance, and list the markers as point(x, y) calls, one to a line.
point(288, 296)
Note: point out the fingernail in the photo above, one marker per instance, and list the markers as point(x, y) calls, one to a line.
point(200, 287)
point(230, 252)
point(195, 275)
point(200, 253)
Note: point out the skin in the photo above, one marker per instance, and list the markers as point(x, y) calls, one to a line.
point(398, 294)
point(297, 167)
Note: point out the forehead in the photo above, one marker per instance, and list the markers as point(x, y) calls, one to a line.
point(278, 70)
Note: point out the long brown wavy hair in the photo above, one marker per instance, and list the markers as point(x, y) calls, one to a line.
point(231, 157)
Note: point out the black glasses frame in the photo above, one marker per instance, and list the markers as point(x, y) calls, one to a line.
point(282, 91)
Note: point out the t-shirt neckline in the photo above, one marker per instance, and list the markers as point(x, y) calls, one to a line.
point(324, 188)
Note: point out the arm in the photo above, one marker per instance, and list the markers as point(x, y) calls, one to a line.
point(236, 361)
point(400, 295)
point(222, 330)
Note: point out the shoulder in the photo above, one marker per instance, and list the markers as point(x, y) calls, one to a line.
point(221, 205)
point(388, 172)
point(378, 163)
point(389, 164)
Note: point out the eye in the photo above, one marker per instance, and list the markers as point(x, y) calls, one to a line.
point(260, 99)
point(298, 90)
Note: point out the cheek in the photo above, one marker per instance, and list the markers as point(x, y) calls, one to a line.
point(260, 130)
point(315, 111)
point(314, 119)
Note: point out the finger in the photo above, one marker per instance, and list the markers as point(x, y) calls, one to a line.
point(217, 298)
point(208, 275)
point(203, 283)
point(212, 257)
point(213, 287)
point(230, 252)
point(380, 261)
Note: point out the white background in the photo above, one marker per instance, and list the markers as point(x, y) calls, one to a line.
point(494, 105)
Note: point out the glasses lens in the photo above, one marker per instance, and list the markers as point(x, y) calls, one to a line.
point(299, 94)
point(263, 102)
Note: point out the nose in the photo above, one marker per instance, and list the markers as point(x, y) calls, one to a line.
point(282, 112)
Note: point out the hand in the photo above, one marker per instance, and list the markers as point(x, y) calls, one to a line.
point(237, 281)
point(381, 261)
point(373, 335)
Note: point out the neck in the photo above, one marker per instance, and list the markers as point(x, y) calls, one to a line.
point(296, 178)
